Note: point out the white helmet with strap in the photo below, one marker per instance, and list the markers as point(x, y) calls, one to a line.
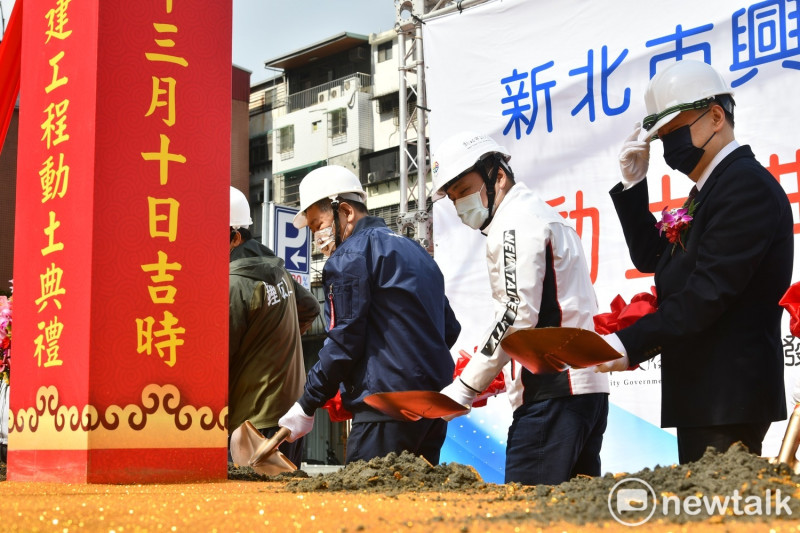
point(458, 154)
point(682, 86)
point(332, 181)
point(240, 210)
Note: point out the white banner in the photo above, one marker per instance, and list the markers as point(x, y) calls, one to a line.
point(560, 83)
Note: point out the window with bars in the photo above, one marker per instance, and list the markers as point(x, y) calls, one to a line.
point(388, 105)
point(379, 167)
point(290, 183)
point(391, 213)
point(337, 125)
point(285, 139)
point(291, 188)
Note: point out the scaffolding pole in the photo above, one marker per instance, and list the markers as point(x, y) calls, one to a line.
point(410, 16)
point(413, 123)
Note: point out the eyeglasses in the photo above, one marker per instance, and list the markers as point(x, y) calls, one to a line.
point(651, 120)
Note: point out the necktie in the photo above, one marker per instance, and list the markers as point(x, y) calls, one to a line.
point(691, 196)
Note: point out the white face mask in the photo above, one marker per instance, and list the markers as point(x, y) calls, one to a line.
point(471, 211)
point(323, 240)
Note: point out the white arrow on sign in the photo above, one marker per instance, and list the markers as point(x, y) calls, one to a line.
point(297, 259)
point(286, 245)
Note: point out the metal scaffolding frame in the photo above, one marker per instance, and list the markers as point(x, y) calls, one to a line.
point(410, 16)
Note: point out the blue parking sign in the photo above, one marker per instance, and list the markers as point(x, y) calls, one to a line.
point(291, 244)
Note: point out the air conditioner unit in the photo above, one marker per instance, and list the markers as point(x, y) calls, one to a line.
point(334, 93)
point(372, 177)
point(320, 98)
point(347, 84)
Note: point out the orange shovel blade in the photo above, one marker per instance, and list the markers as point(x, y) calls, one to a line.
point(273, 464)
point(250, 448)
point(551, 350)
point(414, 404)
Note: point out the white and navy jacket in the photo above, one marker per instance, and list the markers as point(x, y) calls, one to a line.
point(539, 278)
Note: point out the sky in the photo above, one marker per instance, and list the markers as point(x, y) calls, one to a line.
point(267, 29)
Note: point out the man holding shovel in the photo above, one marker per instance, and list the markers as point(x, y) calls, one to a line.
point(390, 325)
point(721, 264)
point(539, 278)
point(268, 313)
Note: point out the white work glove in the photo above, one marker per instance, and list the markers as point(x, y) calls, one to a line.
point(297, 421)
point(617, 365)
point(459, 393)
point(634, 158)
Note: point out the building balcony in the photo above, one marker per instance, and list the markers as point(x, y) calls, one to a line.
point(333, 90)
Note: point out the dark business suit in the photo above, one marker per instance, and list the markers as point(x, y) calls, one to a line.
point(718, 321)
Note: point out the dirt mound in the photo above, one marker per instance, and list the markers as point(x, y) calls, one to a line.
point(245, 473)
point(731, 484)
point(735, 484)
point(392, 474)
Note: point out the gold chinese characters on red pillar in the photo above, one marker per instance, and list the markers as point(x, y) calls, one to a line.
point(120, 273)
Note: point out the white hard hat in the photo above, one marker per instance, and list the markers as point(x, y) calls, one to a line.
point(457, 154)
point(681, 86)
point(240, 210)
point(327, 182)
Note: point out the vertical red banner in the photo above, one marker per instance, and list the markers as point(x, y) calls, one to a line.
point(121, 274)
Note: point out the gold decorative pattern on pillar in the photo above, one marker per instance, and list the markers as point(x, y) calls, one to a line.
point(159, 421)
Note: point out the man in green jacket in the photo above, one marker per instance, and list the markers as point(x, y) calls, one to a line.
point(268, 313)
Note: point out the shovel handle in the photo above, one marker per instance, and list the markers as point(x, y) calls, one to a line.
point(268, 460)
point(276, 440)
point(269, 446)
point(791, 439)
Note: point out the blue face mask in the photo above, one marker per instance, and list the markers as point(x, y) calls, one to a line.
point(679, 151)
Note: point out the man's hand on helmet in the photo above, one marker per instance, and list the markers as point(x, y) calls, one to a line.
point(634, 158)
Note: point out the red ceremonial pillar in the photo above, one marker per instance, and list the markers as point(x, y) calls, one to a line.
point(121, 271)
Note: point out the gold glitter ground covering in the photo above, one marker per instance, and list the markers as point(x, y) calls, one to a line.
point(398, 493)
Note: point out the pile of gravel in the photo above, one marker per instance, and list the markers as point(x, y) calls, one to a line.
point(393, 474)
point(749, 487)
point(245, 473)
